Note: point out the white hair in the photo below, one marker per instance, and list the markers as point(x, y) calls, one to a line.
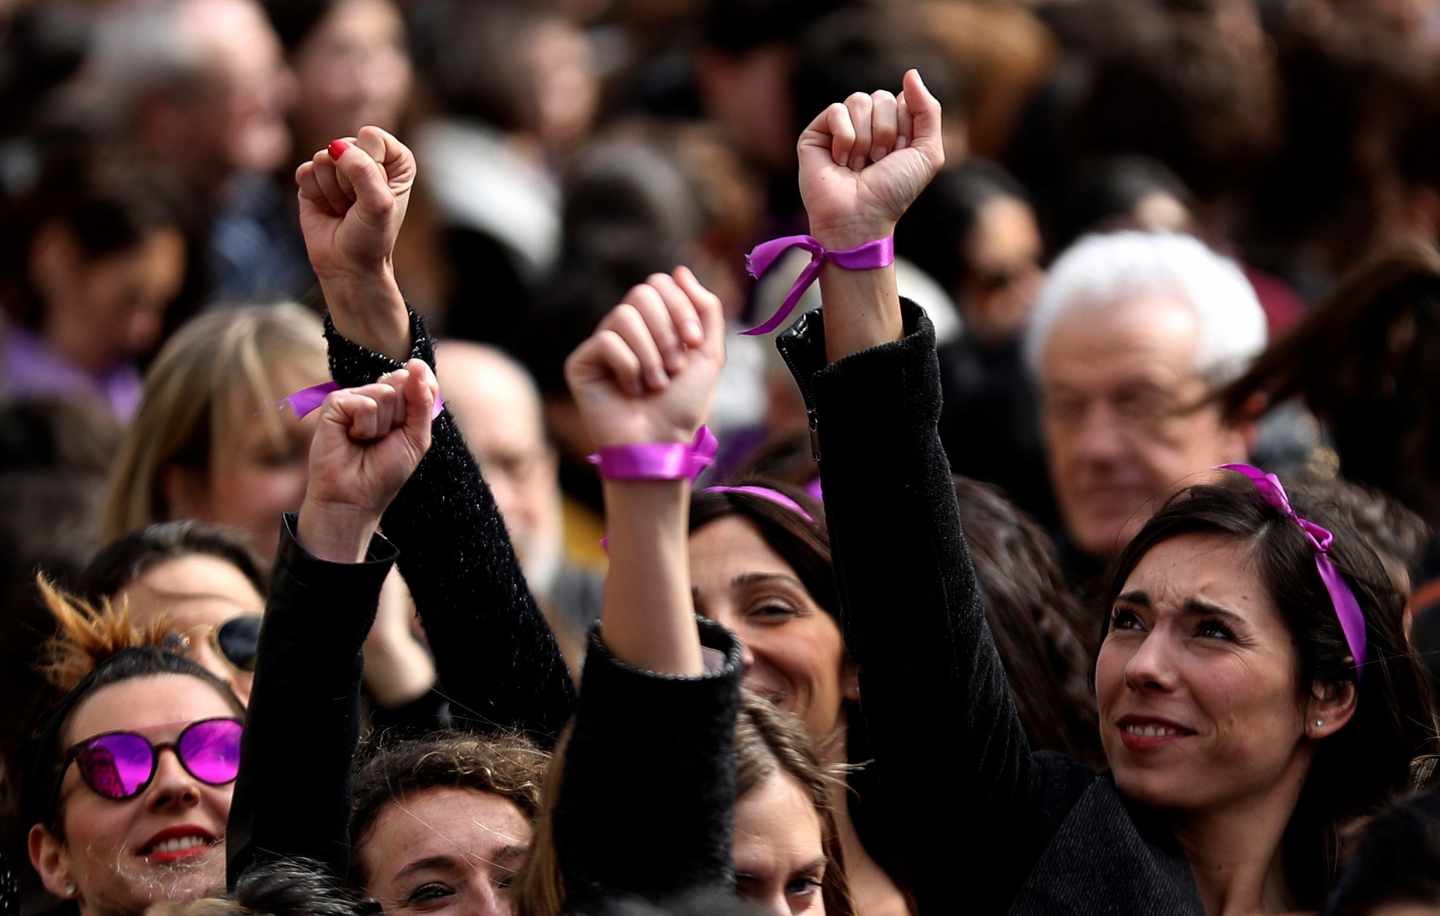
point(1102, 271)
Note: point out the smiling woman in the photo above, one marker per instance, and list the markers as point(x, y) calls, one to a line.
point(129, 782)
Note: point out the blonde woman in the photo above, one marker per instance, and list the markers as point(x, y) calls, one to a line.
point(209, 441)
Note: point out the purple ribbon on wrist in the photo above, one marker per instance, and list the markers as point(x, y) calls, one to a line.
point(658, 460)
point(308, 400)
point(1347, 609)
point(869, 256)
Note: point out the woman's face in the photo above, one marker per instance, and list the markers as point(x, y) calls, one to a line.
point(110, 850)
point(446, 850)
point(255, 478)
point(794, 653)
point(778, 850)
point(195, 595)
point(1196, 681)
point(1004, 257)
point(353, 70)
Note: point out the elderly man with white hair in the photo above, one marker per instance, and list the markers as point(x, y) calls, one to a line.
point(1130, 334)
point(498, 409)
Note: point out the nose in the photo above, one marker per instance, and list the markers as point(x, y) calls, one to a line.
point(1098, 434)
point(173, 789)
point(1151, 669)
point(747, 658)
point(489, 901)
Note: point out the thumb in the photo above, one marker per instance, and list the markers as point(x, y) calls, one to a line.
point(421, 391)
point(373, 198)
point(925, 109)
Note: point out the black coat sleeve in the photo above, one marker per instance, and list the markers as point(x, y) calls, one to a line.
point(647, 796)
point(934, 696)
point(292, 798)
point(497, 662)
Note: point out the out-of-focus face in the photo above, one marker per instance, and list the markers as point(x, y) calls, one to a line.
point(1116, 383)
point(240, 119)
point(125, 293)
point(749, 97)
point(255, 478)
point(499, 415)
point(1004, 257)
point(166, 844)
point(445, 851)
point(778, 850)
point(1196, 681)
point(794, 653)
point(353, 70)
point(1160, 212)
point(566, 87)
point(194, 596)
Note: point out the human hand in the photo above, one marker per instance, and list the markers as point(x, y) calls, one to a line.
point(353, 198)
point(864, 161)
point(648, 373)
point(368, 442)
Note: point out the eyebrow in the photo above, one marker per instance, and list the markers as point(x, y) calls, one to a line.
point(507, 854)
point(437, 862)
point(1193, 607)
point(758, 578)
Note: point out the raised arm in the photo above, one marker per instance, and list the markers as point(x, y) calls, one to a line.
point(651, 754)
point(291, 802)
point(498, 663)
point(933, 690)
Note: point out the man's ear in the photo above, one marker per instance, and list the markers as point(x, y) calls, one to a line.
point(1242, 430)
point(52, 861)
point(1329, 708)
point(850, 681)
point(187, 494)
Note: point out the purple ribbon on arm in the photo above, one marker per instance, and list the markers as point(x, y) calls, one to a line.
point(658, 460)
point(1347, 609)
point(308, 400)
point(869, 256)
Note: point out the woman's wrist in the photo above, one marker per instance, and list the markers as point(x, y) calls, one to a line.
point(336, 533)
point(370, 311)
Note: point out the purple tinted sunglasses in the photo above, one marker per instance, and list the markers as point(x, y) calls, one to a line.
point(120, 765)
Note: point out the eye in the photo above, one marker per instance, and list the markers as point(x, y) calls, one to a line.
point(430, 893)
point(1125, 619)
point(803, 886)
point(772, 611)
point(1214, 629)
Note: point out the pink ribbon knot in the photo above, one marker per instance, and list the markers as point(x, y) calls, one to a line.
point(869, 256)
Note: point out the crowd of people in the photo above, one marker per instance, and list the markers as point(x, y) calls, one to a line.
point(418, 501)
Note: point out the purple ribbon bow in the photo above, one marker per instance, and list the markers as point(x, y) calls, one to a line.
point(308, 400)
point(1347, 609)
point(869, 256)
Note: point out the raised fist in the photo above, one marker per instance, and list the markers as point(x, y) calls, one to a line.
point(864, 161)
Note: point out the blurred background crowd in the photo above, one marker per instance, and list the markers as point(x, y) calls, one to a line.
point(158, 302)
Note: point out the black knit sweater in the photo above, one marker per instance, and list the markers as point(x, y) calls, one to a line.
point(984, 824)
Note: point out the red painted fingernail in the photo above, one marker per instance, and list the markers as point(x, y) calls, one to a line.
point(337, 149)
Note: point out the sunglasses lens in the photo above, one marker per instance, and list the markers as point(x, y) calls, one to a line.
point(117, 766)
point(239, 640)
point(210, 750)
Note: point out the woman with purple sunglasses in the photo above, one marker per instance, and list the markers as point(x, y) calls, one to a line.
point(128, 784)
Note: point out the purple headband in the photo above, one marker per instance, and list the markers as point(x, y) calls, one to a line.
point(769, 495)
point(1347, 609)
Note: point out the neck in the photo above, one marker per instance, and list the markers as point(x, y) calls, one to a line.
point(1235, 851)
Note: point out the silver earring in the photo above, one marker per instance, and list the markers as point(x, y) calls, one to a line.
point(70, 889)
point(1319, 722)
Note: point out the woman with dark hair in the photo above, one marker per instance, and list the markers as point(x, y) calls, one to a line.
point(90, 246)
point(199, 581)
point(128, 784)
point(1123, 192)
point(1255, 689)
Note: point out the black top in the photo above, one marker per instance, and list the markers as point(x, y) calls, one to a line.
point(646, 801)
point(1036, 830)
point(498, 665)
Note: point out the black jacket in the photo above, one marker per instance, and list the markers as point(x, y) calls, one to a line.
point(498, 665)
point(984, 823)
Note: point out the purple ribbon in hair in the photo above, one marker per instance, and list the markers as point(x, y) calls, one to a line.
point(1347, 609)
point(308, 400)
point(767, 494)
point(869, 256)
